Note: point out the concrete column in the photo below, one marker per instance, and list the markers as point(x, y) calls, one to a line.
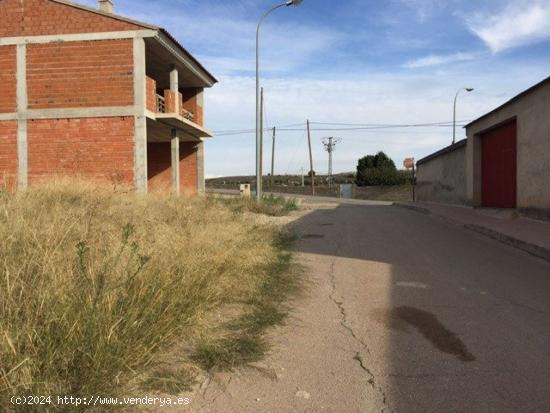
point(201, 186)
point(140, 119)
point(22, 106)
point(473, 170)
point(175, 148)
point(200, 98)
point(175, 87)
point(476, 183)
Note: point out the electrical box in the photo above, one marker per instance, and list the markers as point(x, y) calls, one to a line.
point(245, 190)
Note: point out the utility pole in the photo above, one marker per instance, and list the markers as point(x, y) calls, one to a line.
point(259, 185)
point(302, 172)
point(311, 160)
point(330, 144)
point(258, 107)
point(414, 183)
point(272, 159)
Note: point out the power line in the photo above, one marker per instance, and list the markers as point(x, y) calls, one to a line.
point(351, 126)
point(253, 130)
point(343, 129)
point(385, 124)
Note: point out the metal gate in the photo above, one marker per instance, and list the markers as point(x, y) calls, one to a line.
point(499, 167)
point(346, 191)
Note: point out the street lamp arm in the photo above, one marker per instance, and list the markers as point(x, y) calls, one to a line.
point(258, 104)
point(457, 93)
point(266, 14)
point(467, 89)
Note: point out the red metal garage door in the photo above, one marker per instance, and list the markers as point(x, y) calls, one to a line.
point(498, 167)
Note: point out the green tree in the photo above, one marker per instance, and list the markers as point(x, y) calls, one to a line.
point(377, 169)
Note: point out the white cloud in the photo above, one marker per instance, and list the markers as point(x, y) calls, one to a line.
point(373, 97)
point(434, 60)
point(519, 24)
point(222, 34)
point(424, 9)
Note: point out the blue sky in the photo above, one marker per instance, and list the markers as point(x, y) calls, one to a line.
point(354, 62)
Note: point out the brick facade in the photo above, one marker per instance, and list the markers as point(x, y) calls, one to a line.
point(45, 17)
point(8, 154)
point(8, 79)
point(188, 101)
point(188, 168)
point(97, 148)
point(169, 101)
point(80, 74)
point(160, 168)
point(82, 118)
point(151, 90)
point(191, 103)
point(159, 174)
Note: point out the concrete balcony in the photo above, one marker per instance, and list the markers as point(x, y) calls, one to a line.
point(167, 104)
point(183, 112)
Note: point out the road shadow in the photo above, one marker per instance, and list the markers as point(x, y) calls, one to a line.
point(438, 309)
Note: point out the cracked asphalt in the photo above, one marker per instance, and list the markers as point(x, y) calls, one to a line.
point(401, 312)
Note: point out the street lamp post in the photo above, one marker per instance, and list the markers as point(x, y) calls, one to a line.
point(258, 104)
point(467, 89)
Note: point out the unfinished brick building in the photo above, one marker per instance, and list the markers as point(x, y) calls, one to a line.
point(89, 93)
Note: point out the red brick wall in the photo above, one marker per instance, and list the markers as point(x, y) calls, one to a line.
point(96, 148)
point(188, 168)
point(8, 81)
point(199, 116)
point(169, 101)
point(8, 154)
point(44, 17)
point(159, 167)
point(80, 74)
point(190, 103)
point(151, 87)
point(159, 162)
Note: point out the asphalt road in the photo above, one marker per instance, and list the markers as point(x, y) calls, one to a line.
point(402, 312)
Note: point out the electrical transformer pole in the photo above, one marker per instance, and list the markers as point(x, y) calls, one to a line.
point(330, 144)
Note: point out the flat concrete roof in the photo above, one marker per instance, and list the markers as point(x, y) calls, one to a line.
point(514, 99)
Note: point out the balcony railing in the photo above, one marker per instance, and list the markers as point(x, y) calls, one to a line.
point(161, 104)
point(162, 108)
point(187, 115)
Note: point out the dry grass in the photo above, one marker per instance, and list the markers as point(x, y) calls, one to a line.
point(239, 340)
point(270, 205)
point(97, 286)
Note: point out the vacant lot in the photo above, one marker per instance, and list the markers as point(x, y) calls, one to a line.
point(397, 193)
point(113, 293)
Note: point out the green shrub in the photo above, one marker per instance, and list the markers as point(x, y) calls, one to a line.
point(380, 170)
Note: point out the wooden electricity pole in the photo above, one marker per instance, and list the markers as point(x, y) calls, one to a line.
point(312, 172)
point(272, 159)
